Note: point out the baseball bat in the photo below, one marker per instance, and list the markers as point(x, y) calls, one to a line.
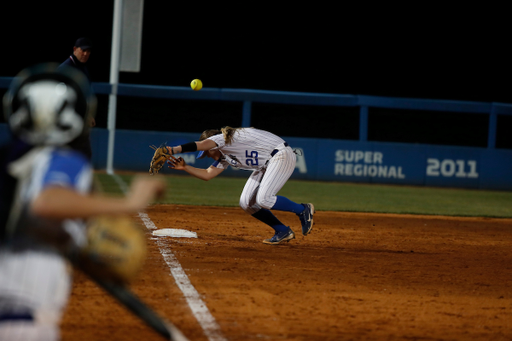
point(140, 309)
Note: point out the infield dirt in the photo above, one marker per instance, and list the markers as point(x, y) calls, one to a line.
point(357, 276)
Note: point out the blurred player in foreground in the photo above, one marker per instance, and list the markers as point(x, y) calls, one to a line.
point(272, 162)
point(45, 189)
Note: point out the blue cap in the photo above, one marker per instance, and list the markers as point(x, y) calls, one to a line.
point(201, 154)
point(83, 43)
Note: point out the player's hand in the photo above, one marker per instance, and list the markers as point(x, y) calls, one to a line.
point(176, 163)
point(143, 190)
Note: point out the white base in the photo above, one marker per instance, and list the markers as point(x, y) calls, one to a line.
point(177, 233)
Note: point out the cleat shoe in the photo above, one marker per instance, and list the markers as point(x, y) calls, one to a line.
point(280, 237)
point(306, 218)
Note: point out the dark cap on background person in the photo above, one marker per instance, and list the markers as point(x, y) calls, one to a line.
point(83, 43)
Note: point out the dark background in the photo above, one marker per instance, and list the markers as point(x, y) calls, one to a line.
point(458, 53)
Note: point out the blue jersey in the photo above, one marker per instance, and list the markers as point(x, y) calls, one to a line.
point(62, 167)
point(37, 170)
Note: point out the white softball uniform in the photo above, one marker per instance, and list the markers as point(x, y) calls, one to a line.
point(270, 158)
point(35, 280)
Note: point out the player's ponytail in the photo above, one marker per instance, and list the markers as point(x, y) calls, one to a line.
point(228, 133)
point(208, 133)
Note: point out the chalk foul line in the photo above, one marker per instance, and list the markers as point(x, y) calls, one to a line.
point(199, 309)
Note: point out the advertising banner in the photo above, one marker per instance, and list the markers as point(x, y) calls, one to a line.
point(339, 160)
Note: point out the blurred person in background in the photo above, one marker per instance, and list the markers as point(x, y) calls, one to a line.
point(78, 59)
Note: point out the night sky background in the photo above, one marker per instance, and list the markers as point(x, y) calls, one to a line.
point(416, 51)
point(421, 52)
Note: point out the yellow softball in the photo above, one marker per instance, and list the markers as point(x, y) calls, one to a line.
point(196, 84)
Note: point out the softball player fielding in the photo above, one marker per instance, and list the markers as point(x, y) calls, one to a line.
point(272, 162)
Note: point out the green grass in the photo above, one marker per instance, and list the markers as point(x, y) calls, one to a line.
point(336, 196)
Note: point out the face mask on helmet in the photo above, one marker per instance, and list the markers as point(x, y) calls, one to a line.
point(49, 106)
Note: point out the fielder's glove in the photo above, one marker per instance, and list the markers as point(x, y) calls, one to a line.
point(161, 155)
point(115, 250)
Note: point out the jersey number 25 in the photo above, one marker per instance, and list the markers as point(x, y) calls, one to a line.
point(252, 158)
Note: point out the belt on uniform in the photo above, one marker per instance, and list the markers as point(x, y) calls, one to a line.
point(274, 152)
point(16, 316)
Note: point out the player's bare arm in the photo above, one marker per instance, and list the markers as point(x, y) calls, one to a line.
point(200, 173)
point(58, 202)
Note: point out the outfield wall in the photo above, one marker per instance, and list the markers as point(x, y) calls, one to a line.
point(338, 160)
point(334, 160)
point(360, 160)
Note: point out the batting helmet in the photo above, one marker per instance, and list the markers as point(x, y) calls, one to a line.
point(49, 105)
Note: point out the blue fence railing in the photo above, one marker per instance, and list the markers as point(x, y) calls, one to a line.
point(327, 159)
point(247, 97)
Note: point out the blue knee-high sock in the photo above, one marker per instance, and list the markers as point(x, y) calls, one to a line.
point(270, 219)
point(285, 204)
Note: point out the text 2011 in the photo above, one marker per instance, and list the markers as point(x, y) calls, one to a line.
point(448, 168)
